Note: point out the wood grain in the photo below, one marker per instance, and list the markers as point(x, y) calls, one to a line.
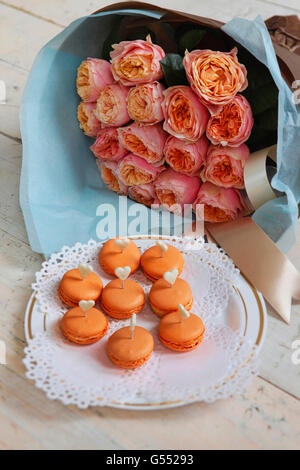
point(62, 12)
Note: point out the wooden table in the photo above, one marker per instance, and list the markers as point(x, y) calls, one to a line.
point(267, 416)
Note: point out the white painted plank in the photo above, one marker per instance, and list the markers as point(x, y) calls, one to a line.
point(11, 219)
point(262, 418)
point(14, 79)
point(276, 362)
point(288, 4)
point(22, 36)
point(63, 12)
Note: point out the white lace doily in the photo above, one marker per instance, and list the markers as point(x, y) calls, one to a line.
point(223, 364)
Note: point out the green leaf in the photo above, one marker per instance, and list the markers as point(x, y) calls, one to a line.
point(112, 38)
point(173, 70)
point(262, 98)
point(264, 131)
point(190, 40)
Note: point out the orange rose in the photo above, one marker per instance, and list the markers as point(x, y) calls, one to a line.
point(87, 119)
point(215, 76)
point(144, 103)
point(220, 204)
point(136, 62)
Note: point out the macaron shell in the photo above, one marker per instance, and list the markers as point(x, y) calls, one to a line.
point(161, 313)
point(155, 265)
point(122, 303)
point(84, 329)
point(181, 335)
point(165, 298)
point(73, 288)
point(130, 352)
point(111, 257)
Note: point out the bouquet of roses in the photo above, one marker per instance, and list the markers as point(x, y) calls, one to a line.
point(169, 145)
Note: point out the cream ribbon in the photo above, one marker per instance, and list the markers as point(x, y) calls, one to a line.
point(261, 261)
point(256, 179)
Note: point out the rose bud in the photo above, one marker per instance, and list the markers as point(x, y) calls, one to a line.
point(144, 103)
point(135, 171)
point(174, 189)
point(107, 145)
point(87, 119)
point(220, 204)
point(224, 166)
point(145, 194)
point(186, 157)
point(215, 76)
point(185, 116)
point(233, 125)
point(145, 141)
point(111, 107)
point(92, 76)
point(136, 62)
point(109, 174)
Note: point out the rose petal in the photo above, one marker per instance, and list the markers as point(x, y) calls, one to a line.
point(185, 116)
point(174, 190)
point(92, 76)
point(186, 157)
point(220, 204)
point(109, 174)
point(87, 119)
point(224, 166)
point(145, 141)
point(135, 171)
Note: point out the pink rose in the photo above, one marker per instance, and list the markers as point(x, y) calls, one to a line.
point(185, 116)
point(93, 75)
point(220, 204)
point(107, 145)
point(144, 103)
point(174, 189)
point(87, 119)
point(215, 76)
point(109, 174)
point(111, 107)
point(224, 166)
point(233, 125)
point(135, 171)
point(145, 194)
point(136, 62)
point(186, 157)
point(145, 141)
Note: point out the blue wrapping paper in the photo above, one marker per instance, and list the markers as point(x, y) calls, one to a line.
point(60, 186)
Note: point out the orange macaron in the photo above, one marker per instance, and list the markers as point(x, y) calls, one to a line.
point(181, 335)
point(120, 302)
point(130, 352)
point(112, 256)
point(164, 298)
point(154, 262)
point(73, 287)
point(84, 327)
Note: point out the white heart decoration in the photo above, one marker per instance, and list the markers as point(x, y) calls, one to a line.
point(122, 243)
point(183, 312)
point(171, 276)
point(162, 246)
point(85, 305)
point(85, 270)
point(123, 273)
